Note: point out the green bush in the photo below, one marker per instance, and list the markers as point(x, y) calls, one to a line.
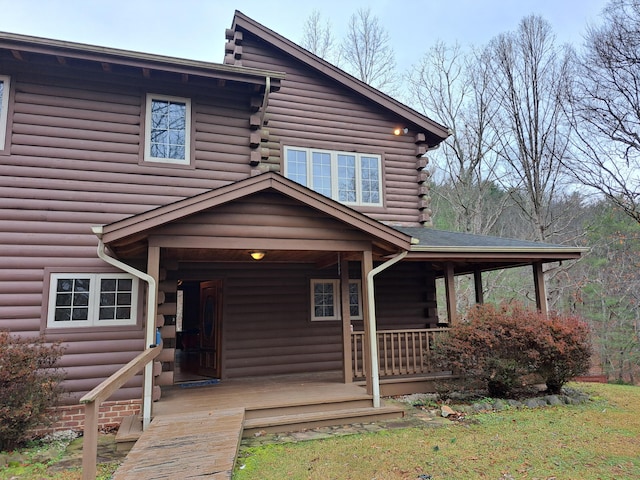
point(500, 345)
point(29, 383)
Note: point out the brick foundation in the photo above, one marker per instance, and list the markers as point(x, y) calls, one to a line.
point(72, 417)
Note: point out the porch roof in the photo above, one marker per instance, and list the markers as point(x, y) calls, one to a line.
point(469, 252)
point(133, 233)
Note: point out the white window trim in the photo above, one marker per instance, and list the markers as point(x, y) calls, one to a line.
point(4, 109)
point(94, 301)
point(147, 130)
point(336, 298)
point(334, 173)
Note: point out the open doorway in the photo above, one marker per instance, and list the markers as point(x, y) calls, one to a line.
point(198, 330)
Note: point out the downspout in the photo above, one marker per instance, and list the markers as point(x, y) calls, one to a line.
point(373, 333)
point(150, 332)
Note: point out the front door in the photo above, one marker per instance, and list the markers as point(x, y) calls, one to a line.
point(210, 331)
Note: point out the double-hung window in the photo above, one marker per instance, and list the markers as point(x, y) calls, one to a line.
point(325, 299)
point(350, 178)
point(92, 300)
point(4, 108)
point(167, 130)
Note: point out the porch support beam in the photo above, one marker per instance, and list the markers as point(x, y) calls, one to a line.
point(477, 281)
point(346, 321)
point(540, 287)
point(450, 291)
point(367, 266)
point(153, 270)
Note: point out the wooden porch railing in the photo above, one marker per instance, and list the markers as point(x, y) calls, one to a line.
point(400, 352)
point(95, 397)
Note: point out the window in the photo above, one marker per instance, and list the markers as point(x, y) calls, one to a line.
point(4, 108)
point(89, 300)
point(350, 178)
point(167, 130)
point(325, 299)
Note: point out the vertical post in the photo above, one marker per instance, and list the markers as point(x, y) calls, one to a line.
point(367, 266)
point(90, 441)
point(153, 269)
point(541, 290)
point(477, 281)
point(450, 290)
point(346, 321)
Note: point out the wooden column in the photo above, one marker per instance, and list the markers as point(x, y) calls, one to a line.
point(541, 290)
point(153, 270)
point(367, 266)
point(477, 281)
point(450, 290)
point(346, 321)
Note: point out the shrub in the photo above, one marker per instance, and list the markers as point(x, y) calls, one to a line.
point(29, 383)
point(501, 345)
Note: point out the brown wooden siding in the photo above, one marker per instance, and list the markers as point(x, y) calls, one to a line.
point(267, 328)
point(74, 162)
point(310, 111)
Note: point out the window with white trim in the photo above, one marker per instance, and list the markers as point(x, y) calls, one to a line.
point(92, 300)
point(4, 108)
point(167, 130)
point(325, 299)
point(350, 178)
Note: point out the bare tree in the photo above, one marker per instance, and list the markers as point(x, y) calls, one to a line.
point(317, 36)
point(606, 108)
point(454, 87)
point(367, 53)
point(530, 75)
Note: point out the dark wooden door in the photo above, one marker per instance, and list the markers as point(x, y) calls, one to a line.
point(210, 327)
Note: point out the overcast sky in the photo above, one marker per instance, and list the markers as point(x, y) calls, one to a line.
point(195, 28)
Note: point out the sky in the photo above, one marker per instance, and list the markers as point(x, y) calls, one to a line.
point(194, 29)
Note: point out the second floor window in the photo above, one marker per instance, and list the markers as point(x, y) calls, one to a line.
point(168, 128)
point(350, 178)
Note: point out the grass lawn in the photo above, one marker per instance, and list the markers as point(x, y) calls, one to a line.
point(598, 440)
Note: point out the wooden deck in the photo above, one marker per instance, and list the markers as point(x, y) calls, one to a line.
point(199, 429)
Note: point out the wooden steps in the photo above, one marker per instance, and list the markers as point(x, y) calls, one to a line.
point(304, 421)
point(204, 444)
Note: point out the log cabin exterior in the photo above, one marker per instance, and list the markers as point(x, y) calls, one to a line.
point(136, 188)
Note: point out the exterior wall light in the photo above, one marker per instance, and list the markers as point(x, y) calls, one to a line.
point(257, 255)
point(400, 131)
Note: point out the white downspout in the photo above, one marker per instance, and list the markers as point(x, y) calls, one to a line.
point(373, 330)
point(150, 332)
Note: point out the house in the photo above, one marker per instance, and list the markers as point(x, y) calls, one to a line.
point(268, 215)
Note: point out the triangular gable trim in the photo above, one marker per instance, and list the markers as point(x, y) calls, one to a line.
point(146, 221)
point(326, 68)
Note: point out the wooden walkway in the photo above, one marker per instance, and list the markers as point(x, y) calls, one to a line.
point(199, 445)
point(195, 432)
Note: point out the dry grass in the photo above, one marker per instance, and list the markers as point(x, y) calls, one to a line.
point(599, 440)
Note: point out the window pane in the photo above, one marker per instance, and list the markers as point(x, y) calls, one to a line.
point(108, 285)
point(321, 172)
point(107, 313)
point(168, 129)
point(122, 313)
point(107, 299)
point(354, 300)
point(370, 180)
point(81, 299)
point(347, 178)
point(115, 298)
point(80, 314)
point(62, 315)
point(297, 166)
point(323, 301)
point(63, 299)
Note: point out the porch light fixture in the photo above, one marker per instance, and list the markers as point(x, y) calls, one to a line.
point(400, 131)
point(257, 255)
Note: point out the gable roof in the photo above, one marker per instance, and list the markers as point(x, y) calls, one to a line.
point(139, 225)
point(439, 132)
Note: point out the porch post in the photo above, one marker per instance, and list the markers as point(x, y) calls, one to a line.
point(367, 266)
point(153, 269)
point(477, 281)
point(450, 290)
point(346, 321)
point(541, 290)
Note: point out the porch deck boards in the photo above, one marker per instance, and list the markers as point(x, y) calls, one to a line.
point(197, 445)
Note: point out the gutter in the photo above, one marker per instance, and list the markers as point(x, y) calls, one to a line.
point(373, 333)
point(150, 331)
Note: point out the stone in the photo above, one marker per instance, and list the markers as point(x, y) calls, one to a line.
point(446, 411)
point(553, 400)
